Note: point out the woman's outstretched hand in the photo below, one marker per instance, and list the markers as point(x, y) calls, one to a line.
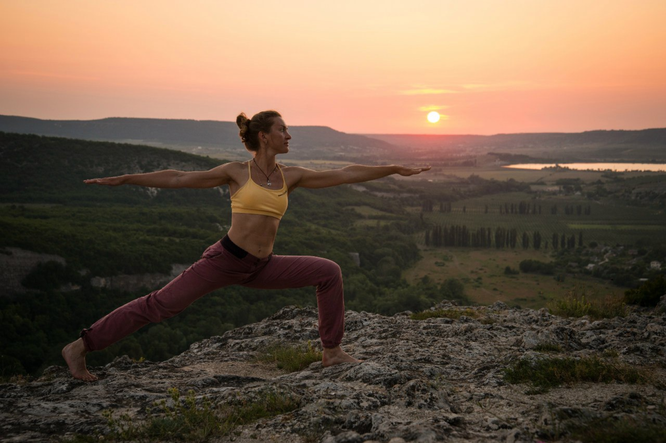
point(107, 181)
point(402, 170)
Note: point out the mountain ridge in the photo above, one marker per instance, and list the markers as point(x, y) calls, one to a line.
point(188, 134)
point(317, 142)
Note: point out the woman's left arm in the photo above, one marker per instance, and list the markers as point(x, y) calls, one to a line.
point(308, 178)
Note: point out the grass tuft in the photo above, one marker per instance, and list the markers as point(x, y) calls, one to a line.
point(576, 305)
point(454, 314)
point(291, 358)
point(552, 372)
point(619, 430)
point(270, 404)
point(192, 420)
point(548, 347)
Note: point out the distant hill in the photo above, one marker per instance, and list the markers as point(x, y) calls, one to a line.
point(52, 169)
point(198, 136)
point(220, 139)
point(639, 145)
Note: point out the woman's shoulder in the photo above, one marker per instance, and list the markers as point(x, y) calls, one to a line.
point(232, 170)
point(290, 170)
point(234, 166)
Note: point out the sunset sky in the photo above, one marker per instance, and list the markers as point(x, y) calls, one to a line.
point(361, 66)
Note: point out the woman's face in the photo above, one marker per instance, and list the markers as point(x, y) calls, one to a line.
point(278, 138)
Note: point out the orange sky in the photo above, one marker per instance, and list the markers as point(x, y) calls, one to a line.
point(361, 66)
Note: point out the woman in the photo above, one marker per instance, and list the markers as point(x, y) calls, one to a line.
point(259, 191)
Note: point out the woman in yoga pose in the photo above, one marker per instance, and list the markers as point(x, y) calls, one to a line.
point(259, 190)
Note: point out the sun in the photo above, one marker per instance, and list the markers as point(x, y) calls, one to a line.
point(433, 117)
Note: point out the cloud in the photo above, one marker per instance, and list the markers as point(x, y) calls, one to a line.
point(433, 108)
point(476, 86)
point(502, 86)
point(427, 91)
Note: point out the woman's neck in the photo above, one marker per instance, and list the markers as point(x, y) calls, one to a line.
point(266, 162)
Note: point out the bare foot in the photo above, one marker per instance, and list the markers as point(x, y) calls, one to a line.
point(336, 356)
point(75, 356)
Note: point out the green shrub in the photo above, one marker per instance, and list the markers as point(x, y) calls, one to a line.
point(619, 430)
point(537, 267)
point(510, 271)
point(648, 294)
point(571, 306)
point(576, 305)
point(188, 421)
point(271, 402)
point(183, 421)
point(551, 372)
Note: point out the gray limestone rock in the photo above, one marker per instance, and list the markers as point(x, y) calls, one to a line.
point(420, 381)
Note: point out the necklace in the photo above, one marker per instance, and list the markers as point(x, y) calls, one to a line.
point(268, 176)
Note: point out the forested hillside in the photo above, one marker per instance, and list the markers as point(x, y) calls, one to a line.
point(102, 231)
point(647, 145)
point(311, 142)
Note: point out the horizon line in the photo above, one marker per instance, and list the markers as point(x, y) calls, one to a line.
point(367, 134)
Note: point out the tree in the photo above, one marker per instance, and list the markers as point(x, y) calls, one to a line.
point(648, 294)
point(513, 237)
point(571, 243)
point(536, 240)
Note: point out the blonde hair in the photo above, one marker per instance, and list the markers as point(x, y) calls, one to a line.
point(251, 127)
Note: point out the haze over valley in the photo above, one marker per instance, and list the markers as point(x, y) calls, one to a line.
point(219, 139)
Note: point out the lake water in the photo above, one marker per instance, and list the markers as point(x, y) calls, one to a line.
point(654, 167)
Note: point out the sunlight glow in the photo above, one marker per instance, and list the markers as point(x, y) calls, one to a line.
point(66, 59)
point(433, 117)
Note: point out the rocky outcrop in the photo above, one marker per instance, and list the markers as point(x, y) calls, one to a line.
point(134, 282)
point(433, 380)
point(16, 264)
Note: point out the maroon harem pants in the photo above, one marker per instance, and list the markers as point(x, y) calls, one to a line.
point(219, 267)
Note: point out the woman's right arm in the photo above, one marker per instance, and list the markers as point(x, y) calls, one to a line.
point(170, 178)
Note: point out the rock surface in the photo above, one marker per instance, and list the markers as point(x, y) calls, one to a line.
point(420, 381)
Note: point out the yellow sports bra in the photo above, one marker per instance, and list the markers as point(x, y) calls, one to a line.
point(254, 199)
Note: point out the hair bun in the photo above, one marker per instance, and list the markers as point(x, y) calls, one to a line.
point(242, 120)
point(243, 124)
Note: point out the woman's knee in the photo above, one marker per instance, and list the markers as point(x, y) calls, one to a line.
point(330, 270)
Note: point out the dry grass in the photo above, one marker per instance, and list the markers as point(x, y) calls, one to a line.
point(575, 304)
point(290, 358)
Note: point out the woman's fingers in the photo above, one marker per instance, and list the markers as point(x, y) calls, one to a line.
point(413, 171)
point(108, 181)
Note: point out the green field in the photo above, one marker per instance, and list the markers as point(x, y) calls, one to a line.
point(482, 272)
point(609, 222)
point(489, 170)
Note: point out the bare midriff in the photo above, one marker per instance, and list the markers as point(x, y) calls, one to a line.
point(254, 233)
